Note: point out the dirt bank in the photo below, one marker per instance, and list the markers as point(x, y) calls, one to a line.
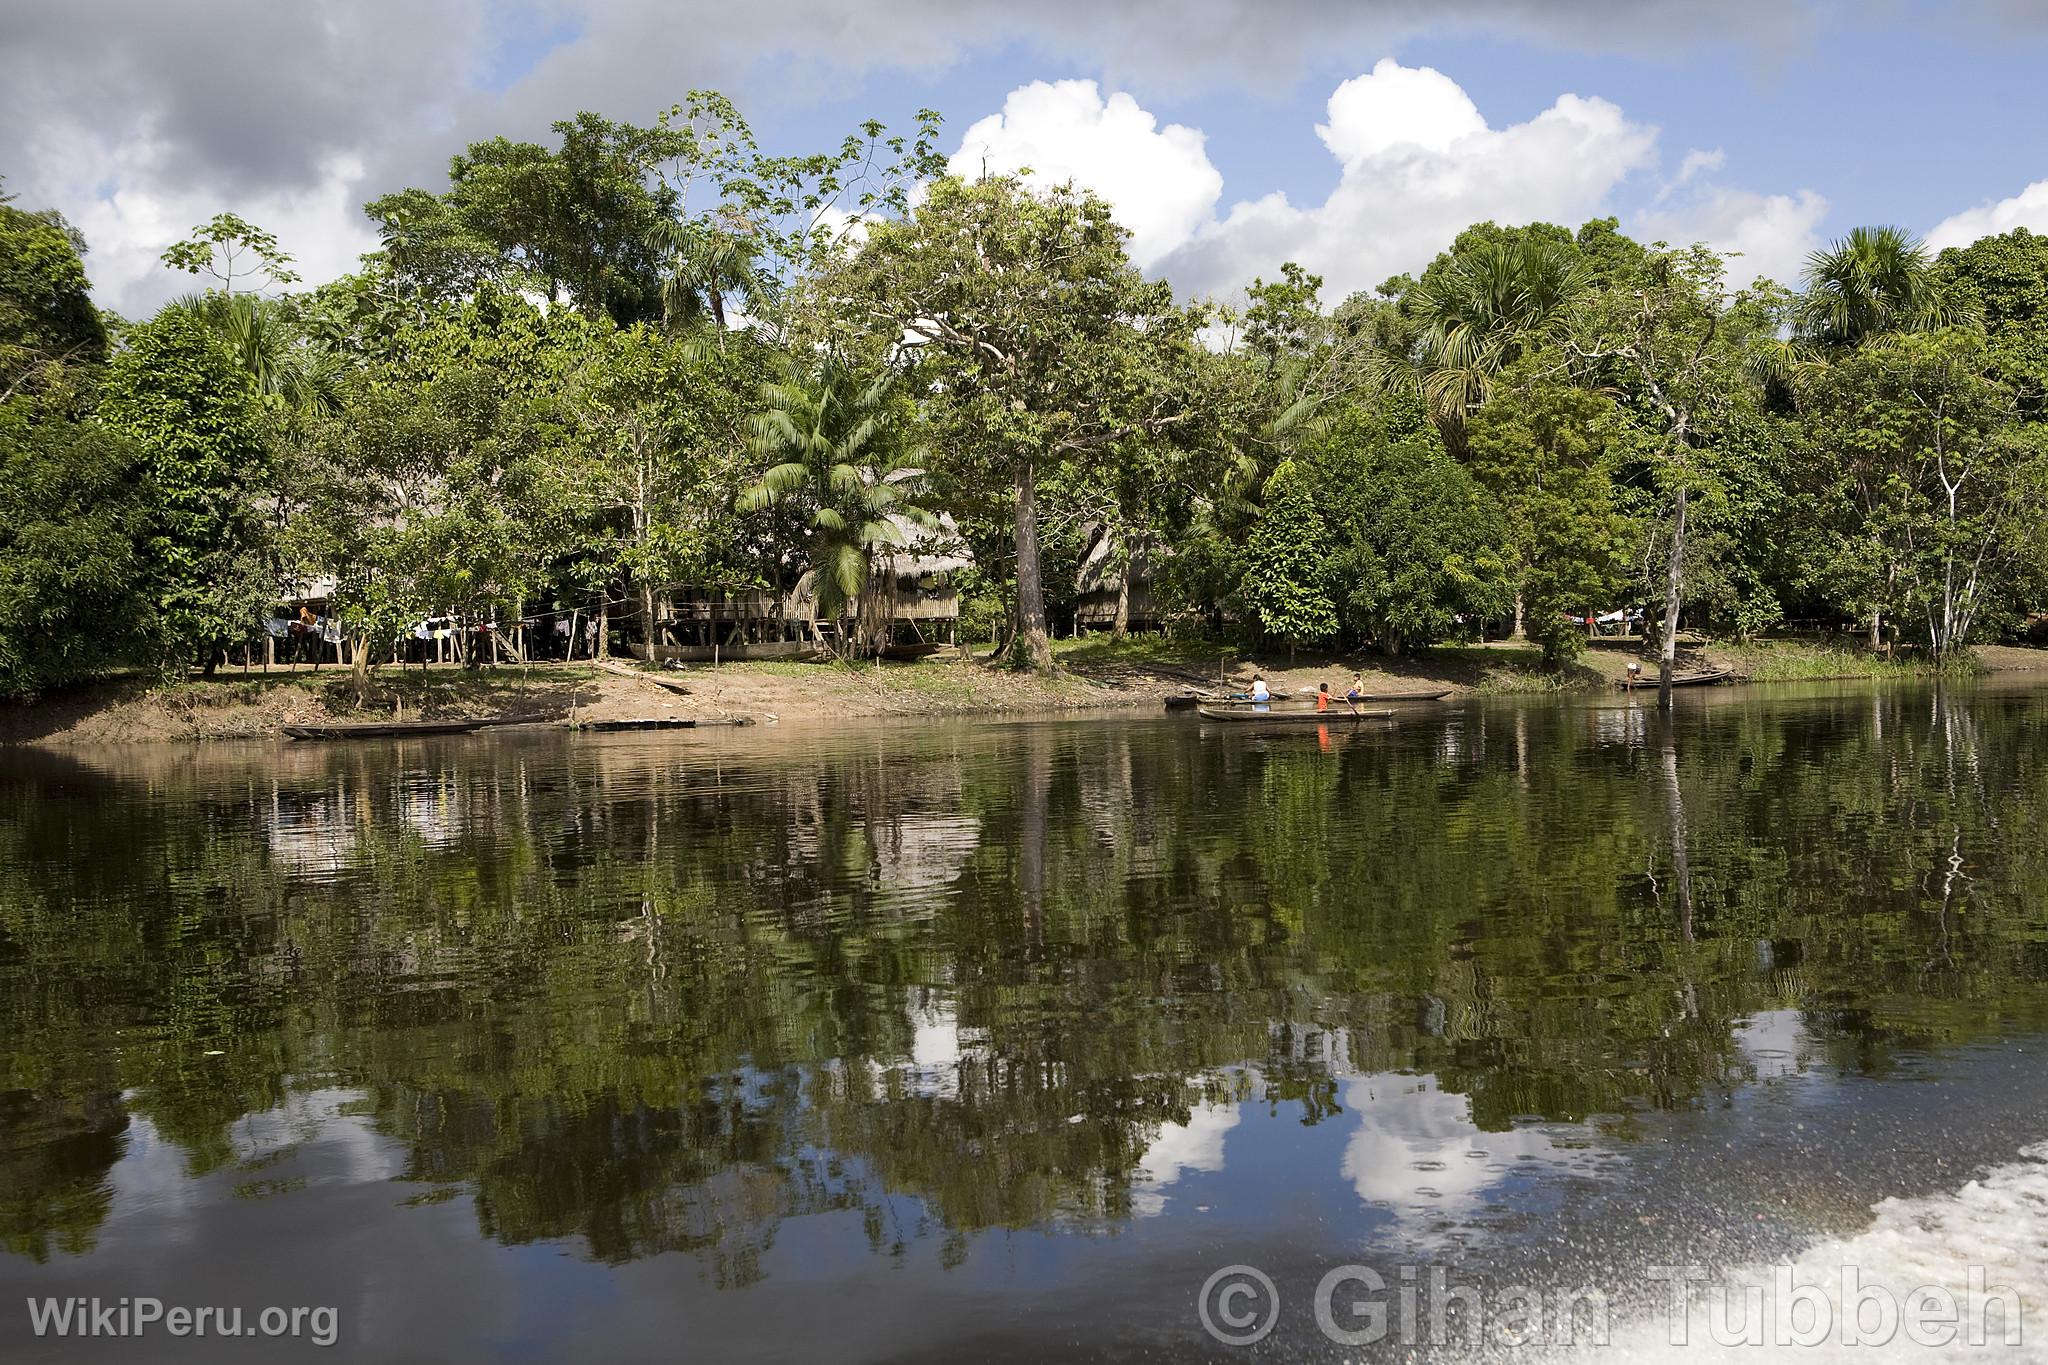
point(234, 706)
point(1095, 674)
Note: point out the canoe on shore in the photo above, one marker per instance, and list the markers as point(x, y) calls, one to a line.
point(1438, 695)
point(1697, 679)
point(1335, 713)
point(400, 729)
point(663, 723)
point(912, 653)
point(384, 730)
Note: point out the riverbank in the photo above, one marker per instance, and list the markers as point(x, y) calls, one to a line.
point(1095, 674)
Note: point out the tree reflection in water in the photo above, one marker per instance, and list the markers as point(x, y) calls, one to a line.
point(669, 996)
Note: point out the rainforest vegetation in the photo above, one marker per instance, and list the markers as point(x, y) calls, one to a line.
point(646, 358)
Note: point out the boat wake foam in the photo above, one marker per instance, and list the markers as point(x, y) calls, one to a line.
point(1983, 1247)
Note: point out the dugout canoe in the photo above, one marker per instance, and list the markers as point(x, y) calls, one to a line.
point(662, 723)
point(384, 730)
point(1248, 714)
point(1702, 678)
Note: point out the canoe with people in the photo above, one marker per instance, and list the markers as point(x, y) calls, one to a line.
point(1261, 695)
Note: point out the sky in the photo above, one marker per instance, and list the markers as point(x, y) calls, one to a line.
point(1354, 136)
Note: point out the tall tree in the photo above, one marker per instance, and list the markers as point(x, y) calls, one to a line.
point(1541, 445)
point(576, 223)
point(1956, 482)
point(181, 397)
point(47, 320)
point(1673, 341)
point(1042, 337)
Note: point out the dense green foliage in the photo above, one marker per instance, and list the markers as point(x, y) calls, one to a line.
point(72, 575)
point(46, 315)
point(177, 393)
point(1287, 563)
point(586, 378)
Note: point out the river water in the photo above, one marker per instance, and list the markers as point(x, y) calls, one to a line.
point(1000, 1040)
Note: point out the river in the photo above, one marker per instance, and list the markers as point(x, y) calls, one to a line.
point(1003, 1041)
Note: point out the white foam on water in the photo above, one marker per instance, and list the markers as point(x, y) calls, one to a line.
point(1989, 1236)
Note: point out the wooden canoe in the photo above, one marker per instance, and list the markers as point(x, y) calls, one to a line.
point(1699, 679)
point(663, 723)
point(1246, 713)
point(911, 653)
point(1438, 695)
point(385, 730)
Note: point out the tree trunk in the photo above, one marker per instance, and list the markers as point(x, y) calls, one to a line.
point(1518, 632)
point(1031, 637)
point(1123, 606)
point(603, 648)
point(1674, 590)
point(647, 616)
point(1876, 630)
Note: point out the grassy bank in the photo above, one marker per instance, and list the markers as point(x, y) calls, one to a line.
point(1095, 673)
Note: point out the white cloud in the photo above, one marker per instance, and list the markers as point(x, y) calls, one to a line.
point(1397, 106)
point(2027, 209)
point(1764, 234)
point(1419, 164)
point(1159, 180)
point(1697, 161)
point(137, 211)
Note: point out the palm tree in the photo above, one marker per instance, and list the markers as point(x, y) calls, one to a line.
point(708, 265)
point(288, 371)
point(1493, 304)
point(1874, 282)
point(835, 443)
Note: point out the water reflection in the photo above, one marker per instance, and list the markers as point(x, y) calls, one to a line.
point(681, 996)
point(1416, 1151)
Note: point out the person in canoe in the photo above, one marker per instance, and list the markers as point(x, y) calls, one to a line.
point(1262, 696)
point(1356, 696)
point(1322, 696)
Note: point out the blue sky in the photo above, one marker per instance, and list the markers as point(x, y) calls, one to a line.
point(1765, 126)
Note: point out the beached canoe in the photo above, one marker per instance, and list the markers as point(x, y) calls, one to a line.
point(1438, 695)
point(912, 653)
point(663, 723)
point(1247, 713)
point(1699, 679)
point(396, 729)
